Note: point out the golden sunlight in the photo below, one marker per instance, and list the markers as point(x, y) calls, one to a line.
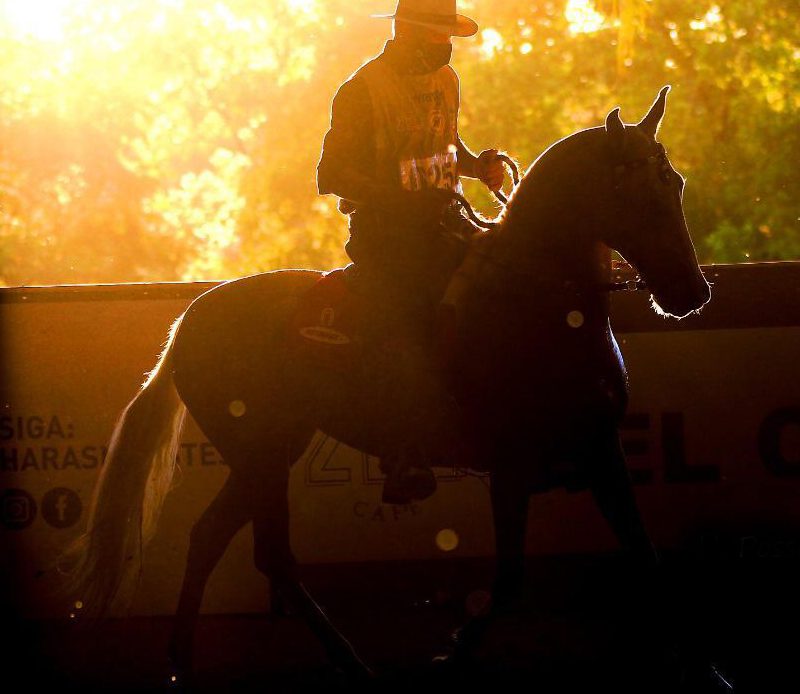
point(712, 17)
point(491, 43)
point(302, 6)
point(583, 18)
point(39, 19)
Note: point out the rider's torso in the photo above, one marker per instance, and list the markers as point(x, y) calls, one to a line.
point(414, 125)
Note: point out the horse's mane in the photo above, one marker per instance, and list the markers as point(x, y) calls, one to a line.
point(558, 150)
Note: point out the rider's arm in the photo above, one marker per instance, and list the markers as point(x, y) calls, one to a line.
point(348, 157)
point(467, 160)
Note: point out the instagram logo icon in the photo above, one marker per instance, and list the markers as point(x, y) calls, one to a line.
point(17, 509)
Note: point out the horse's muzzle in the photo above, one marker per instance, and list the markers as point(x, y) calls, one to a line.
point(684, 299)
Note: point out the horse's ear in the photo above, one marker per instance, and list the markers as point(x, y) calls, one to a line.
point(614, 122)
point(651, 122)
point(615, 128)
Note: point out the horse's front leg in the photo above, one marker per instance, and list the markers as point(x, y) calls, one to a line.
point(613, 493)
point(655, 607)
point(510, 516)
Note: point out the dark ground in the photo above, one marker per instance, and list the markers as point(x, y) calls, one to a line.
point(583, 627)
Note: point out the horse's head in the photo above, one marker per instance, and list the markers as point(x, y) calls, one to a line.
point(642, 212)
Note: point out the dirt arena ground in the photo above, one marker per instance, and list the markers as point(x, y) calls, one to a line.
point(582, 627)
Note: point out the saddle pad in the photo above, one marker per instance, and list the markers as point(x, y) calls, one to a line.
point(325, 328)
point(328, 328)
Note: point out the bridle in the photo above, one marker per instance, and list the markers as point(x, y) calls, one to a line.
point(659, 156)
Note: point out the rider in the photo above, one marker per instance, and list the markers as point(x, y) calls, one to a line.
point(393, 141)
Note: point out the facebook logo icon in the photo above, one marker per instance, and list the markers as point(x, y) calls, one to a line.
point(61, 507)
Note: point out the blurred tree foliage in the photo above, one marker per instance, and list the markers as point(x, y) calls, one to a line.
point(178, 139)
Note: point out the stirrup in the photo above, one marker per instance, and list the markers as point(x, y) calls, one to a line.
point(411, 484)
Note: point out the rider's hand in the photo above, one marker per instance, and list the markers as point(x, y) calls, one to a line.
point(489, 169)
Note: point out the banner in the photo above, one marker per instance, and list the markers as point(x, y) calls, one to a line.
point(712, 437)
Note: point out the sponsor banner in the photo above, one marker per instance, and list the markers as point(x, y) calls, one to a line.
point(712, 437)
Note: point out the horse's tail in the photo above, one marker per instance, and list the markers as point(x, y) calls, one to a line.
point(103, 565)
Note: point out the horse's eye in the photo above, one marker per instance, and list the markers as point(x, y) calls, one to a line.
point(666, 170)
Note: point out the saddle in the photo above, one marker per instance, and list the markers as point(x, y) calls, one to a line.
point(334, 325)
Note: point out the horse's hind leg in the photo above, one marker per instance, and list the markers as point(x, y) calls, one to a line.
point(274, 557)
point(230, 510)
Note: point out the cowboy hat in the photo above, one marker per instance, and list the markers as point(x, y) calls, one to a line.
point(434, 14)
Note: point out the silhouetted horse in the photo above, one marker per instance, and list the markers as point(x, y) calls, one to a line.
point(539, 379)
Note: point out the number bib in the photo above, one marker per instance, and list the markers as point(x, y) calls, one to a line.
point(438, 171)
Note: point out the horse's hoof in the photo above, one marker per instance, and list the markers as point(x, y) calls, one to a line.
point(709, 677)
point(722, 681)
point(179, 669)
point(178, 680)
point(356, 673)
point(455, 659)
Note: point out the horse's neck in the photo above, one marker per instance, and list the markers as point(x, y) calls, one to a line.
point(539, 247)
point(533, 252)
point(541, 238)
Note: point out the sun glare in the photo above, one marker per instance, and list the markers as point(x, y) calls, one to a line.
point(712, 17)
point(39, 19)
point(303, 7)
point(491, 43)
point(583, 18)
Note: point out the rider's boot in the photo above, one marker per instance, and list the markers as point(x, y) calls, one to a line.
point(408, 478)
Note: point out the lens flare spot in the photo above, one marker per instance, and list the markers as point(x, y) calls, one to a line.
point(575, 319)
point(237, 408)
point(583, 18)
point(447, 539)
point(78, 604)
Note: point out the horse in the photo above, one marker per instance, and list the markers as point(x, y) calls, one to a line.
point(539, 381)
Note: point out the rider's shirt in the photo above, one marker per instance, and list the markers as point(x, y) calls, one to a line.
point(415, 129)
point(398, 129)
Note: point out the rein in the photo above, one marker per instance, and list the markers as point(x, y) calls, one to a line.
point(474, 218)
point(511, 164)
point(634, 285)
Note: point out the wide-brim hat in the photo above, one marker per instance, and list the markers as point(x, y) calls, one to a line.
point(434, 14)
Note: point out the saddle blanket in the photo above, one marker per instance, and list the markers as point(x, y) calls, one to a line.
point(330, 327)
